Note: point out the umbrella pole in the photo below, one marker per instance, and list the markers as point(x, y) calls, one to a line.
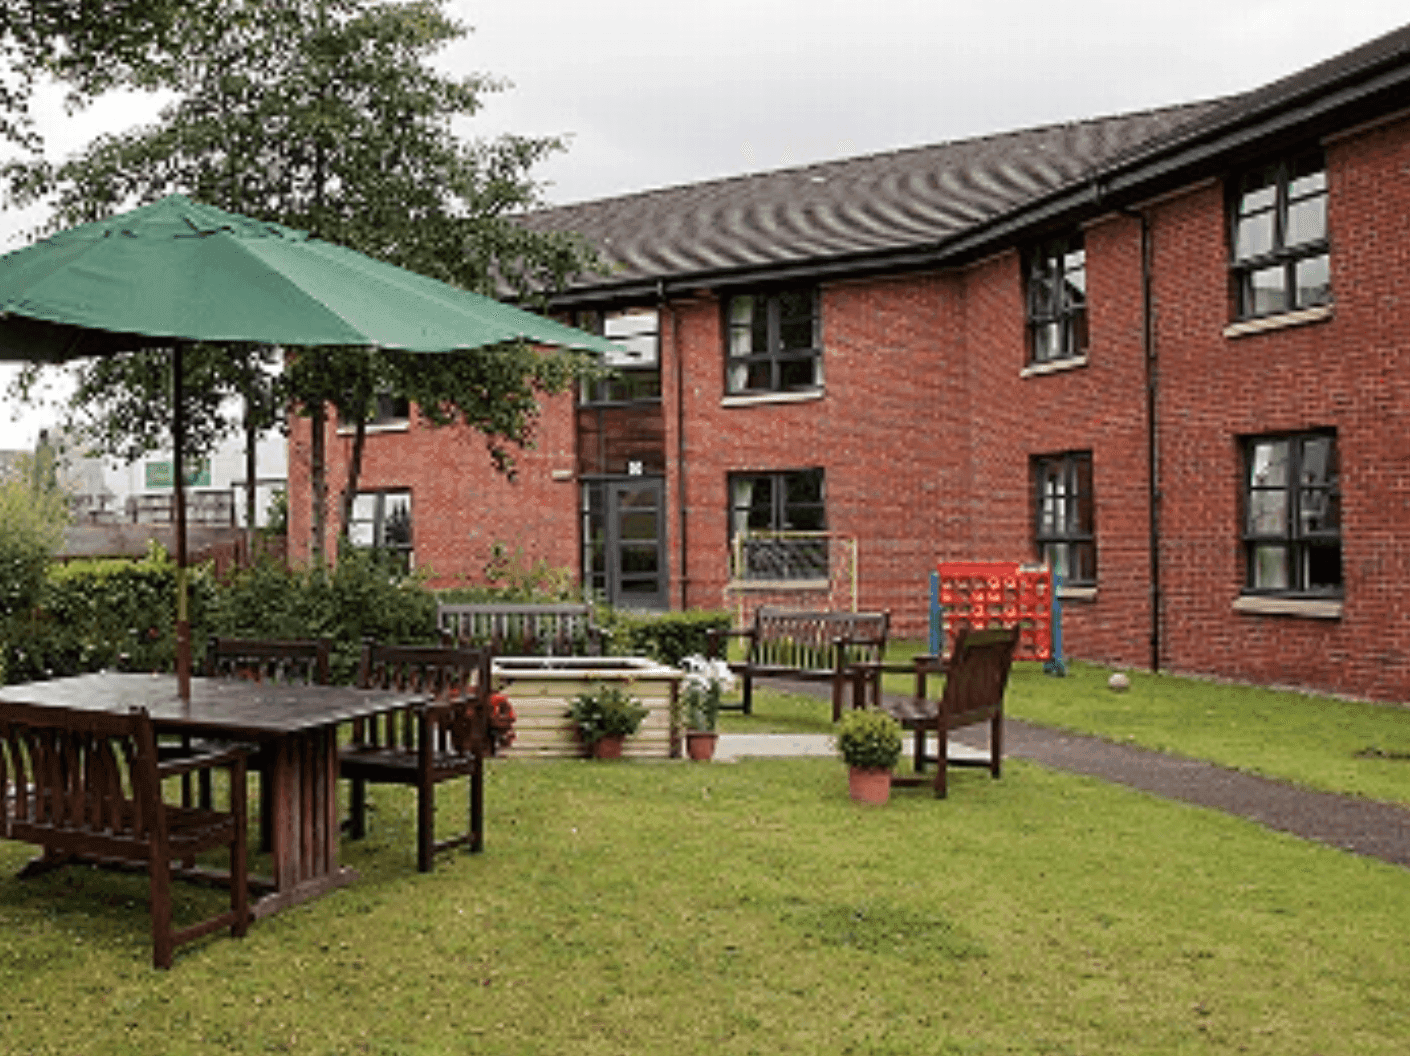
point(178, 437)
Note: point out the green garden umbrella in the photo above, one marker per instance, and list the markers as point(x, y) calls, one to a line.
point(177, 271)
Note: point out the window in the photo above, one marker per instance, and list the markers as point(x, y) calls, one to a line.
point(1292, 515)
point(1057, 300)
point(1279, 238)
point(773, 342)
point(778, 524)
point(388, 411)
point(637, 366)
point(1065, 535)
point(381, 520)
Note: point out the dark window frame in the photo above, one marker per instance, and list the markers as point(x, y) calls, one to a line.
point(629, 385)
point(800, 558)
point(1312, 565)
point(1262, 203)
point(1055, 298)
point(1064, 519)
point(779, 356)
point(402, 548)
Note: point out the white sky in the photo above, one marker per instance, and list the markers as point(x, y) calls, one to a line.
point(659, 92)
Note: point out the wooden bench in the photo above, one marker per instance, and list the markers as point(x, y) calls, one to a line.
point(86, 786)
point(810, 646)
point(522, 628)
point(976, 675)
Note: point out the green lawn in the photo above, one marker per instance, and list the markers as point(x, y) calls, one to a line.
point(752, 908)
point(1321, 742)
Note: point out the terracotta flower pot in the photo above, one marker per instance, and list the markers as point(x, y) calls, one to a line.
point(700, 745)
point(868, 785)
point(608, 748)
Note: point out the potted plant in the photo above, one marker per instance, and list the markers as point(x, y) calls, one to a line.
point(704, 685)
point(870, 743)
point(605, 716)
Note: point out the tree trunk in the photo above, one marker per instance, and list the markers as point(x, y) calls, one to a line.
point(354, 472)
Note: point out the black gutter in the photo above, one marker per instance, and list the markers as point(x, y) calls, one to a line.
point(1153, 494)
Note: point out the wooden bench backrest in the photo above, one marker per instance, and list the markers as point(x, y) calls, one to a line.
point(806, 640)
point(978, 671)
point(458, 678)
point(521, 629)
point(299, 661)
point(81, 781)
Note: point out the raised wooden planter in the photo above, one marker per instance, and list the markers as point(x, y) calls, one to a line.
point(541, 689)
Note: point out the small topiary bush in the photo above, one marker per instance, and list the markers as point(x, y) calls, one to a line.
point(870, 740)
point(668, 637)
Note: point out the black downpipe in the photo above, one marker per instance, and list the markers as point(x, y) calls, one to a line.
point(662, 305)
point(1152, 431)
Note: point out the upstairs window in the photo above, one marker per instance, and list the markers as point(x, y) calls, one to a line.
point(1278, 238)
point(773, 342)
point(1065, 535)
point(1057, 300)
point(1292, 515)
point(637, 365)
point(388, 412)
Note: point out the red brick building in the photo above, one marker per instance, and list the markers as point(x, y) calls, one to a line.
point(1164, 351)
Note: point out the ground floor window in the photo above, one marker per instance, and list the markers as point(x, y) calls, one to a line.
point(778, 525)
point(381, 520)
point(1292, 515)
point(1064, 530)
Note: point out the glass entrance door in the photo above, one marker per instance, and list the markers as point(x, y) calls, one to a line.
point(624, 541)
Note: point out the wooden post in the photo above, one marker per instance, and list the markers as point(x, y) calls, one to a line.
point(178, 437)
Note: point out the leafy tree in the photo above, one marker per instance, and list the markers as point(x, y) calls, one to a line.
point(327, 116)
point(92, 44)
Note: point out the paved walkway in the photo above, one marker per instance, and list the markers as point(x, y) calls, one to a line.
point(1377, 830)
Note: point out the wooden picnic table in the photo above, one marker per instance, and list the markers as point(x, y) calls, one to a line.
point(298, 722)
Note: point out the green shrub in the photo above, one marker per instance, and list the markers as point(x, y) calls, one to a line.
point(31, 529)
point(606, 710)
point(110, 613)
point(513, 577)
point(667, 637)
point(364, 596)
point(869, 739)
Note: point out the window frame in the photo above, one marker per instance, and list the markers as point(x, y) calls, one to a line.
point(774, 355)
point(638, 369)
point(1299, 543)
point(779, 521)
point(1047, 264)
point(1281, 176)
point(1077, 506)
point(404, 552)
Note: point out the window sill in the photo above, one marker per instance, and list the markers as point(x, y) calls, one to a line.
point(772, 397)
point(1077, 593)
point(1307, 608)
point(1317, 314)
point(1054, 366)
point(779, 584)
point(383, 427)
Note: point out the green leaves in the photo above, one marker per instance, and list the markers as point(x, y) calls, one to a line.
point(869, 739)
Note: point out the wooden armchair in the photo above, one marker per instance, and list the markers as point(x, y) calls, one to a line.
point(301, 661)
point(87, 786)
point(976, 676)
point(424, 746)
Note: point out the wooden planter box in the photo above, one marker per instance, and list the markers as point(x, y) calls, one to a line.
point(542, 688)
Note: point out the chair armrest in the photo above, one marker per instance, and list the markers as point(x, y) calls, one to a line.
point(235, 753)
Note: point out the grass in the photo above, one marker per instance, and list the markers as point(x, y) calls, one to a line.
point(1333, 745)
point(752, 908)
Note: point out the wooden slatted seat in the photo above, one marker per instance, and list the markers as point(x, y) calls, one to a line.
point(522, 629)
point(422, 747)
point(976, 675)
point(86, 785)
point(810, 646)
